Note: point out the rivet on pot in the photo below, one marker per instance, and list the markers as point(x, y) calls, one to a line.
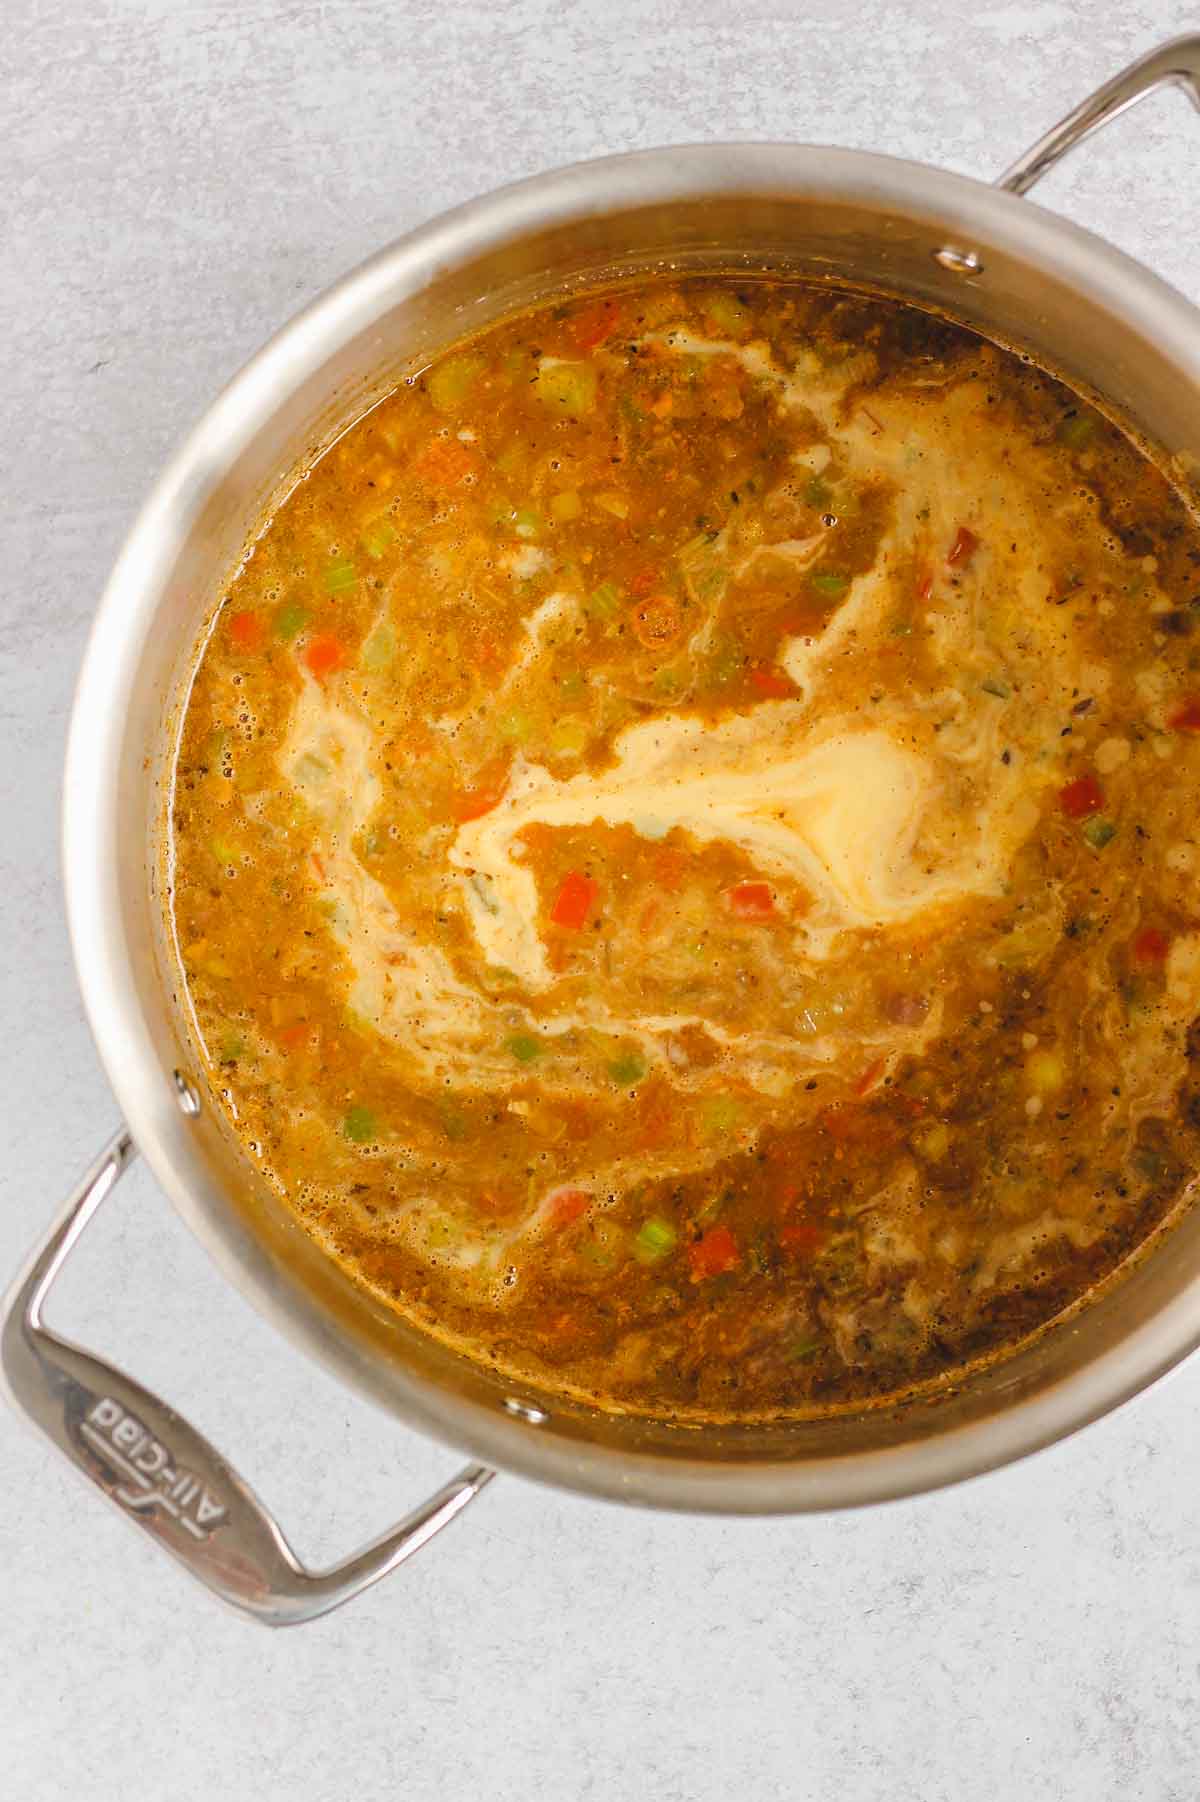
point(189, 1100)
point(959, 262)
point(536, 1417)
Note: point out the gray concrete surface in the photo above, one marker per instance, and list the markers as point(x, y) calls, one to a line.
point(178, 178)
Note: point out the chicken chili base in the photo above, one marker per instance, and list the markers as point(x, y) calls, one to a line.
point(683, 848)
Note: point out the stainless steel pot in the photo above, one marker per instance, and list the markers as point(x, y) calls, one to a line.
point(1016, 272)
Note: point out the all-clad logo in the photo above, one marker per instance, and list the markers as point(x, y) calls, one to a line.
point(152, 1477)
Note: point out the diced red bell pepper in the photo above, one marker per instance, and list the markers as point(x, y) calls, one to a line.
point(714, 1254)
point(964, 547)
point(246, 631)
point(1186, 718)
point(802, 1238)
point(323, 654)
point(591, 327)
point(1151, 946)
point(574, 901)
point(751, 901)
point(771, 684)
point(1081, 797)
point(566, 1205)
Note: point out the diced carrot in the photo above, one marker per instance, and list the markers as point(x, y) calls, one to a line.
point(802, 1238)
point(323, 654)
point(925, 586)
point(246, 631)
point(486, 792)
point(292, 1038)
point(596, 323)
point(1081, 797)
point(1151, 946)
point(963, 549)
point(567, 1205)
point(774, 686)
point(641, 583)
point(656, 621)
point(318, 865)
point(444, 462)
point(1186, 718)
point(574, 901)
point(751, 901)
point(714, 1254)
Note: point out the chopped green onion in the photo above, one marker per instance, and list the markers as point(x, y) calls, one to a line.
point(629, 1068)
point(378, 535)
point(224, 851)
point(1099, 833)
point(449, 384)
point(655, 1238)
point(816, 493)
point(232, 1047)
point(524, 1047)
point(526, 523)
point(379, 648)
point(359, 1125)
point(290, 618)
point(454, 1124)
point(993, 686)
point(827, 583)
point(341, 576)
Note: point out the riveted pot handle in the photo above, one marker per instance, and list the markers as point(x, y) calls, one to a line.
point(159, 1471)
point(1177, 63)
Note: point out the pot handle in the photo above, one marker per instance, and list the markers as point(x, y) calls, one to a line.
point(1177, 62)
point(159, 1471)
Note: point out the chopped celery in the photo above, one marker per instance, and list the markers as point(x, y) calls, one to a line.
point(728, 315)
point(569, 737)
point(655, 1239)
point(825, 582)
point(524, 1047)
point(816, 493)
point(359, 1125)
point(626, 1069)
point(377, 536)
point(224, 851)
point(616, 504)
point(566, 506)
point(721, 1114)
point(725, 662)
point(1099, 833)
point(232, 1047)
point(341, 575)
point(993, 686)
point(603, 602)
point(573, 685)
point(515, 726)
point(526, 523)
point(1076, 430)
point(290, 618)
point(379, 648)
point(451, 381)
point(566, 387)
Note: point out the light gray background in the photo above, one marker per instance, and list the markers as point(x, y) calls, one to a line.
point(177, 180)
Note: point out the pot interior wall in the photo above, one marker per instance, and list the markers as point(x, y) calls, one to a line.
point(1044, 289)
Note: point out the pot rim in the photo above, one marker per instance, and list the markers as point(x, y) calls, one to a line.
point(963, 206)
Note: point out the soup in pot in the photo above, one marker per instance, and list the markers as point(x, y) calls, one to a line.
point(683, 848)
